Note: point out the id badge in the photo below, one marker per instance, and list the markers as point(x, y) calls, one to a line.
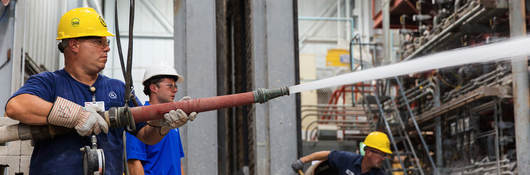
point(100, 105)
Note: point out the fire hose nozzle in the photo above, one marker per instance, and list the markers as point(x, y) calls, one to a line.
point(264, 95)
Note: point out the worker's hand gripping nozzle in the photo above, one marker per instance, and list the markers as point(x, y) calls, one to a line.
point(119, 117)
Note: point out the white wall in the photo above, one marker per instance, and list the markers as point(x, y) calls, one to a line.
point(7, 25)
point(153, 38)
point(316, 37)
point(41, 19)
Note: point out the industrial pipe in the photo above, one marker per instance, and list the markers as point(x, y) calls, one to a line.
point(121, 116)
point(10, 133)
point(26, 132)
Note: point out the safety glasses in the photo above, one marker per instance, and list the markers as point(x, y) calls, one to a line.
point(99, 41)
point(170, 85)
point(382, 154)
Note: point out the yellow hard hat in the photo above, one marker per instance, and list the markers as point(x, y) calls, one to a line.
point(378, 140)
point(81, 22)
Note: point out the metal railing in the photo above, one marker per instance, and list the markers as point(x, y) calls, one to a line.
point(343, 117)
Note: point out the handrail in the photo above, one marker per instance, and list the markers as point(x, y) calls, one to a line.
point(413, 117)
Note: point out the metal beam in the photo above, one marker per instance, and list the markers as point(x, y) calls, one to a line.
point(387, 46)
point(273, 54)
point(520, 89)
point(438, 130)
point(8, 42)
point(195, 49)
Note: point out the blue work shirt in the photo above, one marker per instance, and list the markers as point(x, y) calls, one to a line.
point(61, 155)
point(160, 159)
point(347, 163)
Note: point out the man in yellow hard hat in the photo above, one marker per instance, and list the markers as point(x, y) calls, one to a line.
point(71, 98)
point(346, 163)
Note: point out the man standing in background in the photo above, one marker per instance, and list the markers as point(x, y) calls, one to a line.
point(164, 157)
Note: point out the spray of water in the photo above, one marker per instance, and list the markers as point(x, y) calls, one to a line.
point(510, 49)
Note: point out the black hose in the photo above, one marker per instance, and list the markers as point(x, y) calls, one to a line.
point(118, 41)
point(128, 77)
point(127, 74)
point(126, 71)
point(360, 51)
point(352, 69)
point(351, 53)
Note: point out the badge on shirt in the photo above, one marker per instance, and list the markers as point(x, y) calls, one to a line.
point(100, 105)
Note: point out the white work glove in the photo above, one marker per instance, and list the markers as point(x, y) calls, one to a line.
point(192, 115)
point(71, 115)
point(173, 119)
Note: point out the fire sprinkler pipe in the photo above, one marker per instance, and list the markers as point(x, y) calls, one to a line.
point(146, 113)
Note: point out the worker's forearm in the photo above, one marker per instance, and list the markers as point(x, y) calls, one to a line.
point(321, 155)
point(28, 109)
point(149, 135)
point(135, 167)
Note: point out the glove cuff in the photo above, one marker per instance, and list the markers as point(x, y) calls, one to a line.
point(64, 113)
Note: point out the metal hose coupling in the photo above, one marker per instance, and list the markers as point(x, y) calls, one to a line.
point(119, 117)
point(263, 95)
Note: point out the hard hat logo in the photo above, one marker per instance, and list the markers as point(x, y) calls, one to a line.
point(102, 21)
point(75, 22)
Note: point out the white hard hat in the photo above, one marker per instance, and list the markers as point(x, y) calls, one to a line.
point(161, 70)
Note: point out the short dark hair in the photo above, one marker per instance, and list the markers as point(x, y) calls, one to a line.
point(63, 44)
point(155, 80)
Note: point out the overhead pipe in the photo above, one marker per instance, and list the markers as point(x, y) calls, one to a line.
point(478, 10)
point(119, 117)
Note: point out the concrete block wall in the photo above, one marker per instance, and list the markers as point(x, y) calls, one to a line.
point(12, 164)
point(14, 156)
